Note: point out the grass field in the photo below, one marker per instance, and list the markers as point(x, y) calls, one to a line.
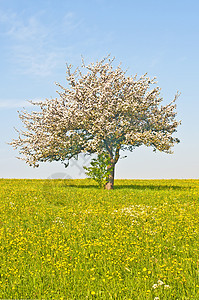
point(67, 239)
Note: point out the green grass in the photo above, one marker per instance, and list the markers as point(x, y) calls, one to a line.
point(67, 239)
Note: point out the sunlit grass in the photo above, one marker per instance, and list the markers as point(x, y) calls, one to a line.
point(67, 239)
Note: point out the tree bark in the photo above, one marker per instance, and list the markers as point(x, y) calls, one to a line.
point(110, 180)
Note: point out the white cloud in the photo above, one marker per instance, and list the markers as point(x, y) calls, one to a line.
point(70, 24)
point(15, 103)
point(32, 44)
point(39, 47)
point(40, 64)
point(23, 31)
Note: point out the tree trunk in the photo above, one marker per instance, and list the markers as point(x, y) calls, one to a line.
point(110, 180)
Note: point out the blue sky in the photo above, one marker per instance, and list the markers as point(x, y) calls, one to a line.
point(37, 38)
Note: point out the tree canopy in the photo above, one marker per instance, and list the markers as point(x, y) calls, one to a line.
point(101, 110)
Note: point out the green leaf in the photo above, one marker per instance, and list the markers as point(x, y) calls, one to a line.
point(98, 169)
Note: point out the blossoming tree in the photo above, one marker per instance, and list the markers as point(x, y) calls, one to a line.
point(101, 110)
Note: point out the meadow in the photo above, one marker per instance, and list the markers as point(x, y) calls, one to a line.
point(67, 239)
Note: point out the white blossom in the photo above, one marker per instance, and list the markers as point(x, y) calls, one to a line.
point(102, 109)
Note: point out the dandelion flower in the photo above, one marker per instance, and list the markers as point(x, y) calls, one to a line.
point(144, 269)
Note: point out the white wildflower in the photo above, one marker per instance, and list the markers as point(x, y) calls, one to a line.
point(160, 282)
point(155, 286)
point(58, 220)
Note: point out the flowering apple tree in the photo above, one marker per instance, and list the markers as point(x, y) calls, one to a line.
point(101, 110)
